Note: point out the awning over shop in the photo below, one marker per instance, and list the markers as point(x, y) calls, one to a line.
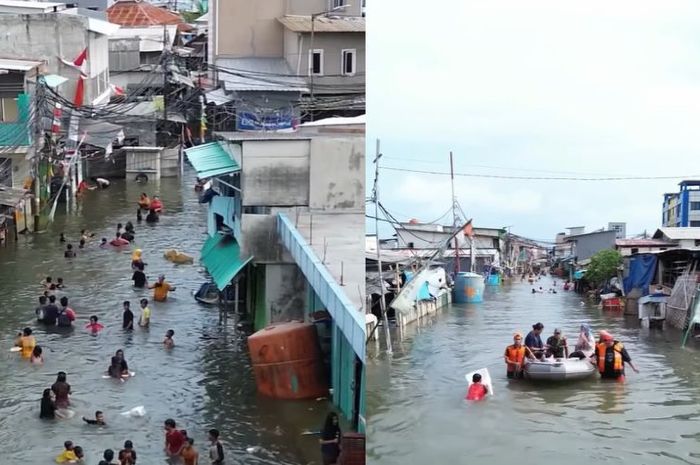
point(221, 256)
point(211, 160)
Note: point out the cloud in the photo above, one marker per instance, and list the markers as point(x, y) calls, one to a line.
point(543, 85)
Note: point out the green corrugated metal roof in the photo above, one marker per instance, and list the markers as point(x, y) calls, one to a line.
point(221, 256)
point(211, 160)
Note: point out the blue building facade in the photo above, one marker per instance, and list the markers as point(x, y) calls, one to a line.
point(682, 209)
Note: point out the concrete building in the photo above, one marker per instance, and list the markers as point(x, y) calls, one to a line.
point(293, 225)
point(682, 209)
point(683, 237)
point(619, 228)
point(53, 37)
point(588, 244)
point(424, 239)
point(266, 58)
point(17, 80)
point(135, 50)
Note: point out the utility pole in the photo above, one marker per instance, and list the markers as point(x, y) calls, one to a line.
point(382, 302)
point(311, 63)
point(38, 140)
point(166, 62)
point(454, 214)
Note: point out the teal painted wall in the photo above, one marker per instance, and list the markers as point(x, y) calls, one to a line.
point(12, 134)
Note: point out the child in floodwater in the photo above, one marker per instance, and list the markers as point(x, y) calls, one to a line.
point(477, 391)
point(99, 419)
point(94, 327)
point(168, 342)
point(37, 357)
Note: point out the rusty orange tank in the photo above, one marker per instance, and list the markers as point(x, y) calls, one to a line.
point(287, 361)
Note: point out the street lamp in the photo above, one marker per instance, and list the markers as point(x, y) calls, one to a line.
point(311, 55)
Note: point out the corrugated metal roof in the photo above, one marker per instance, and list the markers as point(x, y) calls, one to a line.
point(259, 75)
point(324, 23)
point(676, 234)
point(211, 160)
point(643, 243)
point(218, 97)
point(221, 256)
point(11, 197)
point(18, 65)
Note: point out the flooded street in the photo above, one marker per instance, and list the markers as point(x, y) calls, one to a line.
point(417, 414)
point(204, 382)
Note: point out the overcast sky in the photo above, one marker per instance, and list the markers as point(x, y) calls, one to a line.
point(535, 88)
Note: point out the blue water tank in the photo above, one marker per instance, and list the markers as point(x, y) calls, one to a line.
point(469, 288)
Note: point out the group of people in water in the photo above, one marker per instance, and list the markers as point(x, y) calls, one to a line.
point(607, 354)
point(54, 312)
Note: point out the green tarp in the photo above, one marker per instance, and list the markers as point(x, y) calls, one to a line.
point(221, 256)
point(211, 160)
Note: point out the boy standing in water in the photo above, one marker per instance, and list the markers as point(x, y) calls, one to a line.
point(145, 318)
point(68, 454)
point(128, 317)
point(168, 342)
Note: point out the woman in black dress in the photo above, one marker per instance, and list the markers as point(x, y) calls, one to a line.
point(330, 439)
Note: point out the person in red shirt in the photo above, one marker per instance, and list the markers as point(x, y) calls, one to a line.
point(94, 327)
point(174, 439)
point(477, 391)
point(119, 241)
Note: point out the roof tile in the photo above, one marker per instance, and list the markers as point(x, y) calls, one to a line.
point(136, 13)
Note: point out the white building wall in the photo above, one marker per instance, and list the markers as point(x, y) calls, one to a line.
point(275, 172)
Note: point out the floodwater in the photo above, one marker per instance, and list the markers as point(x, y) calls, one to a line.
point(205, 382)
point(417, 414)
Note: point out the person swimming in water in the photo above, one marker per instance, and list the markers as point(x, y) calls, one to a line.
point(37, 358)
point(99, 419)
point(94, 327)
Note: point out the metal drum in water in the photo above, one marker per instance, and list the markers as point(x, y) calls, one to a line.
point(469, 288)
point(287, 361)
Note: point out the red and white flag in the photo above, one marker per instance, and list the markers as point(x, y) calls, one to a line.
point(80, 65)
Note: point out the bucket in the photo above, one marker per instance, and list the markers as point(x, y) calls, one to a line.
point(469, 288)
point(493, 280)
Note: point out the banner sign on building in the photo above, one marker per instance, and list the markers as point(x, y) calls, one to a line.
point(246, 121)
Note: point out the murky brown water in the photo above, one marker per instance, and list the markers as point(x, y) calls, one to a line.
point(417, 414)
point(205, 382)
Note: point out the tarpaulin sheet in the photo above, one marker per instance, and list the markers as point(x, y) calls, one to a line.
point(642, 268)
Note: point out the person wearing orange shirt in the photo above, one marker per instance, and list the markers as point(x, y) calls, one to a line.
point(161, 289)
point(515, 357)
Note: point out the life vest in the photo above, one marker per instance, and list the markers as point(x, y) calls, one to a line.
point(515, 353)
point(477, 391)
point(618, 363)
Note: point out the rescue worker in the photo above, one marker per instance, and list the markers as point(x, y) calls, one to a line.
point(515, 356)
point(610, 357)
